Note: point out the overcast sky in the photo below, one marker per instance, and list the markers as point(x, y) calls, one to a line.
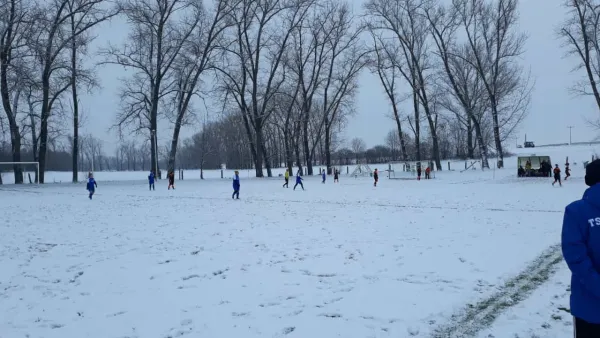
point(552, 107)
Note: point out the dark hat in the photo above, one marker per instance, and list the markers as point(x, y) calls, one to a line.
point(592, 173)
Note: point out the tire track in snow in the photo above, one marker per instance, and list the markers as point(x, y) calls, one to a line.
point(475, 317)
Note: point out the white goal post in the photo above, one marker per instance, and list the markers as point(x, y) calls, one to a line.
point(407, 170)
point(10, 165)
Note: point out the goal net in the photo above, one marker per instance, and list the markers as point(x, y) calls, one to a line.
point(19, 172)
point(362, 170)
point(408, 170)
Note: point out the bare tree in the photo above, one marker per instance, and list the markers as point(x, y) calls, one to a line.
point(14, 29)
point(405, 21)
point(358, 146)
point(254, 72)
point(458, 77)
point(382, 64)
point(308, 63)
point(79, 76)
point(392, 140)
point(287, 114)
point(580, 33)
point(347, 58)
point(50, 43)
point(160, 31)
point(197, 57)
point(490, 29)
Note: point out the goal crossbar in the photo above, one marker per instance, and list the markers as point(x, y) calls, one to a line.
point(37, 167)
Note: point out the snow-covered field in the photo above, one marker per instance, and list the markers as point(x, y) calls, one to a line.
point(404, 259)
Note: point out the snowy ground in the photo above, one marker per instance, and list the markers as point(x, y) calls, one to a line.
point(336, 260)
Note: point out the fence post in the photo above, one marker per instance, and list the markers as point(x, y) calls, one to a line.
point(448, 165)
point(221, 173)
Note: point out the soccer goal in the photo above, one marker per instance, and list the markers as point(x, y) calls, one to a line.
point(362, 170)
point(408, 170)
point(19, 172)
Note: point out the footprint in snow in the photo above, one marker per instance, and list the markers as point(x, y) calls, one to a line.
point(334, 300)
point(295, 313)
point(326, 275)
point(220, 272)
point(289, 330)
point(190, 277)
point(332, 315)
point(269, 304)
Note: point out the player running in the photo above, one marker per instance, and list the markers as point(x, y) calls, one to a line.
point(557, 176)
point(91, 185)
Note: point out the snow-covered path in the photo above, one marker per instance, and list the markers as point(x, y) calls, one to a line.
point(336, 260)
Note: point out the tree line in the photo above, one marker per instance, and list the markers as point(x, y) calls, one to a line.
point(281, 76)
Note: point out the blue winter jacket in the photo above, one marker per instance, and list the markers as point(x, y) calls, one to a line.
point(324, 175)
point(236, 182)
point(91, 184)
point(298, 179)
point(151, 178)
point(581, 250)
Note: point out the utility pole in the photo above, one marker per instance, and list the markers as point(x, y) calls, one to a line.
point(570, 130)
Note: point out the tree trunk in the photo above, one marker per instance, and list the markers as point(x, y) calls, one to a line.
point(496, 128)
point(44, 121)
point(328, 148)
point(298, 159)
point(75, 149)
point(417, 126)
point(482, 146)
point(174, 142)
point(306, 144)
point(5, 58)
point(470, 145)
point(15, 140)
point(400, 134)
point(34, 141)
point(266, 160)
point(249, 135)
point(288, 150)
point(434, 140)
point(259, 158)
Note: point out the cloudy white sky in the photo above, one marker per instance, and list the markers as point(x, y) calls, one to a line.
point(552, 107)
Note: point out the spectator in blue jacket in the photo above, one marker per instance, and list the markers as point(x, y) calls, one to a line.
point(581, 250)
point(151, 180)
point(91, 185)
point(298, 181)
point(236, 185)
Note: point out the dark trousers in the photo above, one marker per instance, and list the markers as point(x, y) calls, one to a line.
point(299, 183)
point(151, 186)
point(584, 329)
point(557, 179)
point(236, 194)
point(287, 181)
